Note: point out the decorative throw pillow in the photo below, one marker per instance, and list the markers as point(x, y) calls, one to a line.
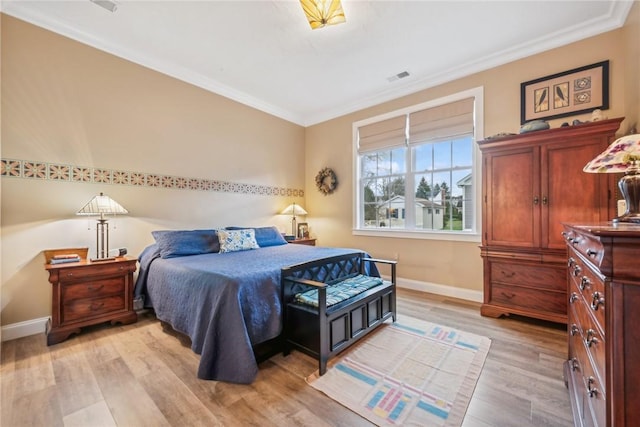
point(237, 240)
point(265, 236)
point(175, 243)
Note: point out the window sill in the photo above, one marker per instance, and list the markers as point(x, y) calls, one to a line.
point(408, 234)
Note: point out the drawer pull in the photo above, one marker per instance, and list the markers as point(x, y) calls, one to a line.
point(95, 288)
point(590, 339)
point(571, 262)
point(585, 283)
point(576, 241)
point(574, 330)
point(508, 275)
point(573, 298)
point(597, 301)
point(576, 271)
point(94, 306)
point(591, 391)
point(592, 252)
point(575, 366)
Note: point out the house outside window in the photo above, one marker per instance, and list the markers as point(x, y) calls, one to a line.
point(417, 170)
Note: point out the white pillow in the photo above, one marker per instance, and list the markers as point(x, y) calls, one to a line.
point(237, 240)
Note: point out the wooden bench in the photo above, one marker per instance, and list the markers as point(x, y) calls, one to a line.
point(323, 314)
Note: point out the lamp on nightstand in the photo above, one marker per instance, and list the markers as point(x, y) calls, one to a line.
point(102, 205)
point(623, 156)
point(293, 210)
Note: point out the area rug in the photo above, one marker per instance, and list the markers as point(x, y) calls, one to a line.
point(409, 373)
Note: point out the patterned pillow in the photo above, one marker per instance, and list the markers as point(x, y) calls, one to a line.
point(237, 240)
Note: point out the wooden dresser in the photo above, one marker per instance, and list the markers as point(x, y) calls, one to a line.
point(603, 368)
point(531, 184)
point(86, 293)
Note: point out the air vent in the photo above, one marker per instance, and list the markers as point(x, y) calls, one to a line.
point(398, 76)
point(111, 6)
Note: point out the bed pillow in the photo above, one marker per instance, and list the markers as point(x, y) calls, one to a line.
point(237, 240)
point(175, 243)
point(265, 236)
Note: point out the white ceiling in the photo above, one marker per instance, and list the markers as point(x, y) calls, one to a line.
point(264, 54)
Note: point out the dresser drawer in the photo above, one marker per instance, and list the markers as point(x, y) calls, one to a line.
point(96, 270)
point(582, 327)
point(589, 246)
point(94, 289)
point(540, 277)
point(529, 298)
point(589, 285)
point(83, 309)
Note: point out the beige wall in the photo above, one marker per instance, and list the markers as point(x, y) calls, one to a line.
point(456, 264)
point(66, 103)
point(632, 69)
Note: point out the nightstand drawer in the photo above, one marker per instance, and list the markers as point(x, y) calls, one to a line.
point(85, 308)
point(95, 270)
point(95, 289)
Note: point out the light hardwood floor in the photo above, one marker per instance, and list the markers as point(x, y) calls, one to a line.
point(142, 375)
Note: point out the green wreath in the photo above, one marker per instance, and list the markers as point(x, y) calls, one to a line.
point(326, 181)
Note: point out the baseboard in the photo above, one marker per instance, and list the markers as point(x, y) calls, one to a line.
point(36, 326)
point(24, 329)
point(444, 290)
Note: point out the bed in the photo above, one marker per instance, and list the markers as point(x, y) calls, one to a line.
point(226, 302)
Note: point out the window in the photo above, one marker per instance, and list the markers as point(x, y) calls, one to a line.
point(416, 169)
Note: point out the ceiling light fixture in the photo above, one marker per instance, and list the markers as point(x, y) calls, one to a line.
point(111, 6)
point(322, 12)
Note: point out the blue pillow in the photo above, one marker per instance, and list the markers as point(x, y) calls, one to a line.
point(265, 236)
point(175, 243)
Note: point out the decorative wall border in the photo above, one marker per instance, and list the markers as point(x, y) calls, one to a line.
point(37, 170)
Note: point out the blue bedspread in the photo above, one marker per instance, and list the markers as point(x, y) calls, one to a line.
point(225, 302)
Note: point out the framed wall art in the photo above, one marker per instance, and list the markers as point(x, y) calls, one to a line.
point(303, 230)
point(569, 93)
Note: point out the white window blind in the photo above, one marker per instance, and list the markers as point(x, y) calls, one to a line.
point(444, 121)
point(382, 135)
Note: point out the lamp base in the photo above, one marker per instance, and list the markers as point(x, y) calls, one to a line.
point(102, 259)
point(629, 186)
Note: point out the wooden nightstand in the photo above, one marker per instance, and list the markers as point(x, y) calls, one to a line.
point(306, 241)
point(86, 293)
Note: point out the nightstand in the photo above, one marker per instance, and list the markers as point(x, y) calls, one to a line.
point(305, 241)
point(87, 293)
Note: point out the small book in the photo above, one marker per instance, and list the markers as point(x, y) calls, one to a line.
point(65, 256)
point(64, 260)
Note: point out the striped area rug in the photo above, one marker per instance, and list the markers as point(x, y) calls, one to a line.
point(409, 373)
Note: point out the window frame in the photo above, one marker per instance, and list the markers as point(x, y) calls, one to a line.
point(473, 235)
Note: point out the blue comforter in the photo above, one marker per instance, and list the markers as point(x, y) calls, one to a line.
point(224, 302)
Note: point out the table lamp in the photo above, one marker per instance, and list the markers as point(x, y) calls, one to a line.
point(293, 210)
point(102, 205)
point(622, 156)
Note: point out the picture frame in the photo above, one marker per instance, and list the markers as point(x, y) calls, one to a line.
point(572, 92)
point(303, 230)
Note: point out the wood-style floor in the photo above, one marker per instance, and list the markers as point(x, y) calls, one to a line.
point(142, 375)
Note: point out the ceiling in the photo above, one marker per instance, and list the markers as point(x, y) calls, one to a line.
point(264, 54)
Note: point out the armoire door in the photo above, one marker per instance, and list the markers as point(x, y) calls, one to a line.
point(512, 197)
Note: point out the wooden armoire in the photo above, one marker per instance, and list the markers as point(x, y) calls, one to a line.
point(531, 184)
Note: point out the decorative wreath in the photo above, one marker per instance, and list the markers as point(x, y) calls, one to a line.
point(326, 181)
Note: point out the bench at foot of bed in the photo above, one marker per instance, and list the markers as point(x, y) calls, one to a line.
point(331, 303)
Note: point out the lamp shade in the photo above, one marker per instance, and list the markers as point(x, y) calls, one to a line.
point(323, 12)
point(102, 205)
point(294, 209)
point(622, 156)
